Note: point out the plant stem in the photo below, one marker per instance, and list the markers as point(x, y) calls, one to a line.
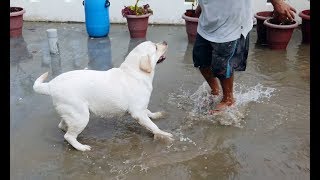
point(194, 3)
point(135, 6)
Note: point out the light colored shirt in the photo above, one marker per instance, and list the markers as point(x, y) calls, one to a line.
point(225, 20)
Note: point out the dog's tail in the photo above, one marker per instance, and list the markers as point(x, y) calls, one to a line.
point(40, 87)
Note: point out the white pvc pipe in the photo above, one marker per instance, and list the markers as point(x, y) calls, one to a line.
point(53, 40)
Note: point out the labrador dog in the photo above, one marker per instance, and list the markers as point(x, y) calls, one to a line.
point(127, 89)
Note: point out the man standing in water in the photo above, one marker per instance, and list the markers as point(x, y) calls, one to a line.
point(222, 41)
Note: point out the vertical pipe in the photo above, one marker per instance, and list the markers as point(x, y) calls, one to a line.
point(54, 52)
point(53, 40)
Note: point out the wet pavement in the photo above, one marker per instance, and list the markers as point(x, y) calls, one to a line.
point(266, 136)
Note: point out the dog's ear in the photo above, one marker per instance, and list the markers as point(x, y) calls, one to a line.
point(145, 64)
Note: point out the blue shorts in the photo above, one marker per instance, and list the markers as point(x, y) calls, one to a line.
point(222, 58)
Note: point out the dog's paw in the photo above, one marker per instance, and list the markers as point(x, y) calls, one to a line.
point(164, 114)
point(167, 137)
point(159, 115)
point(84, 148)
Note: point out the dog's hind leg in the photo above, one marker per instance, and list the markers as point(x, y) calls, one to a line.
point(76, 120)
point(145, 121)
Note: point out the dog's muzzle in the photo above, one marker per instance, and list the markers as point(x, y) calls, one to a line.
point(162, 58)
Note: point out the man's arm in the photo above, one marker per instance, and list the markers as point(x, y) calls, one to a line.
point(283, 10)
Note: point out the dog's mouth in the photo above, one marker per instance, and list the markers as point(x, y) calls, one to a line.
point(164, 45)
point(162, 58)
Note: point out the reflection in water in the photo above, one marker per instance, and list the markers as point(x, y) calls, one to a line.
point(75, 47)
point(266, 62)
point(56, 64)
point(46, 59)
point(188, 54)
point(260, 46)
point(133, 43)
point(303, 61)
point(18, 50)
point(19, 53)
point(99, 53)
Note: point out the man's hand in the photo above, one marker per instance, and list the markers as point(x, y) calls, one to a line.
point(283, 10)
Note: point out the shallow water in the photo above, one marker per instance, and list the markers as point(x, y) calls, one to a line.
point(265, 136)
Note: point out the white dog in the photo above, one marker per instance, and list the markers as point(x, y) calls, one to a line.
point(106, 93)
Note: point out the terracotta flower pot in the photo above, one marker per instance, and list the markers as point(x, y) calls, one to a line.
point(138, 25)
point(191, 27)
point(261, 28)
point(305, 25)
point(16, 21)
point(278, 36)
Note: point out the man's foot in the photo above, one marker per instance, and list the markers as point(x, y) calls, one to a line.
point(221, 106)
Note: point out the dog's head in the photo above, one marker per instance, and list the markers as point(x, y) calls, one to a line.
point(147, 54)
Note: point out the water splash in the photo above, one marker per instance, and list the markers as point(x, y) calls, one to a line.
point(199, 103)
point(258, 93)
point(121, 170)
point(183, 137)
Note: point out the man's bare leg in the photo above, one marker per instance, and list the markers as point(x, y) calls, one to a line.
point(228, 99)
point(212, 81)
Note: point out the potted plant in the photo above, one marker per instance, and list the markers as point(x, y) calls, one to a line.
point(137, 19)
point(191, 21)
point(261, 29)
point(305, 25)
point(279, 32)
point(16, 21)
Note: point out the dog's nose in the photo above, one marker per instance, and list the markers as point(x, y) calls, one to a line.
point(165, 43)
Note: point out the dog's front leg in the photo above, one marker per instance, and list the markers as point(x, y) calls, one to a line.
point(145, 121)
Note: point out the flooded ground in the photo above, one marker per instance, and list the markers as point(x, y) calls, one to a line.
point(266, 136)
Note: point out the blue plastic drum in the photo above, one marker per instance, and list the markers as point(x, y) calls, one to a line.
point(97, 17)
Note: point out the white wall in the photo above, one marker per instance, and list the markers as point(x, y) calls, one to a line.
point(165, 11)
